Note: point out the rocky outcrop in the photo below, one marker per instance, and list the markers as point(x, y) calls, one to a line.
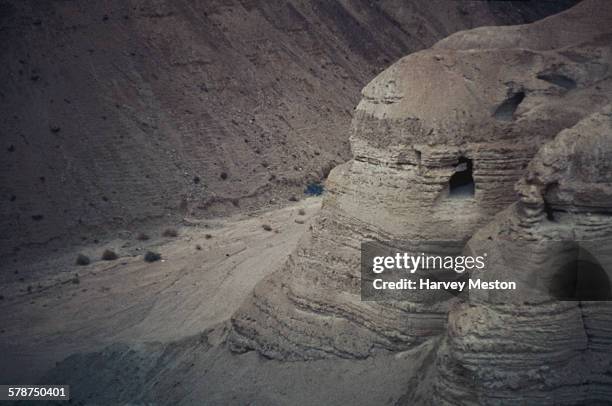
point(527, 347)
point(134, 111)
point(438, 141)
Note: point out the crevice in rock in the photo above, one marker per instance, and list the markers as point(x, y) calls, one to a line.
point(505, 111)
point(550, 212)
point(558, 79)
point(418, 156)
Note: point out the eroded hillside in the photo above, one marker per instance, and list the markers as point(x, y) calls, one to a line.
point(119, 112)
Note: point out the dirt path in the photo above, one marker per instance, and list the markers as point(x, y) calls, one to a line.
point(131, 301)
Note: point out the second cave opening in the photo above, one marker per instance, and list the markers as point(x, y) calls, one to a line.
point(462, 184)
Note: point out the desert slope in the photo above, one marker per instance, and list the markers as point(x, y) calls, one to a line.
point(120, 112)
point(202, 278)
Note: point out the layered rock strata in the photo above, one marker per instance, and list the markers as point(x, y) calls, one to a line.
point(438, 141)
point(526, 346)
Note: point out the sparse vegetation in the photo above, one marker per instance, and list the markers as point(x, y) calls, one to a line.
point(302, 212)
point(82, 260)
point(170, 232)
point(142, 237)
point(109, 255)
point(151, 256)
point(75, 279)
point(267, 227)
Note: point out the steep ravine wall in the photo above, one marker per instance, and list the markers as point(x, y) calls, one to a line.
point(119, 112)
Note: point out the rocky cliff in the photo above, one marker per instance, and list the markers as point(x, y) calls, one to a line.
point(119, 112)
point(528, 347)
point(438, 141)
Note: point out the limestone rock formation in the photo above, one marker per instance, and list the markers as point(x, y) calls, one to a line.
point(438, 141)
point(122, 112)
point(526, 346)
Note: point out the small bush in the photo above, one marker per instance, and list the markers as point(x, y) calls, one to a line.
point(75, 279)
point(267, 227)
point(223, 175)
point(293, 198)
point(170, 232)
point(142, 237)
point(82, 260)
point(198, 247)
point(302, 212)
point(151, 256)
point(109, 255)
point(208, 236)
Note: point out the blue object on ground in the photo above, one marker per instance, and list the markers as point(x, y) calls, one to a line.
point(314, 189)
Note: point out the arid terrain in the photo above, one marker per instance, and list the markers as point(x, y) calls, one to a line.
point(120, 114)
point(203, 276)
point(136, 332)
point(158, 246)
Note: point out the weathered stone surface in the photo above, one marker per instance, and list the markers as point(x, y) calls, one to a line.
point(495, 101)
point(526, 347)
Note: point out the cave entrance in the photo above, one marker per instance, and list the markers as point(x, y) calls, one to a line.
point(582, 278)
point(462, 184)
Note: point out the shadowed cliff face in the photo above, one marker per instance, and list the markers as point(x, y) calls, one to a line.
point(119, 112)
point(482, 101)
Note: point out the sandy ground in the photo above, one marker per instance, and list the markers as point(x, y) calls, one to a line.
point(130, 300)
point(201, 371)
point(136, 332)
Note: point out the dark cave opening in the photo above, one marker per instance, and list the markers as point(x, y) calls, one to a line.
point(550, 190)
point(558, 80)
point(505, 111)
point(582, 278)
point(462, 184)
